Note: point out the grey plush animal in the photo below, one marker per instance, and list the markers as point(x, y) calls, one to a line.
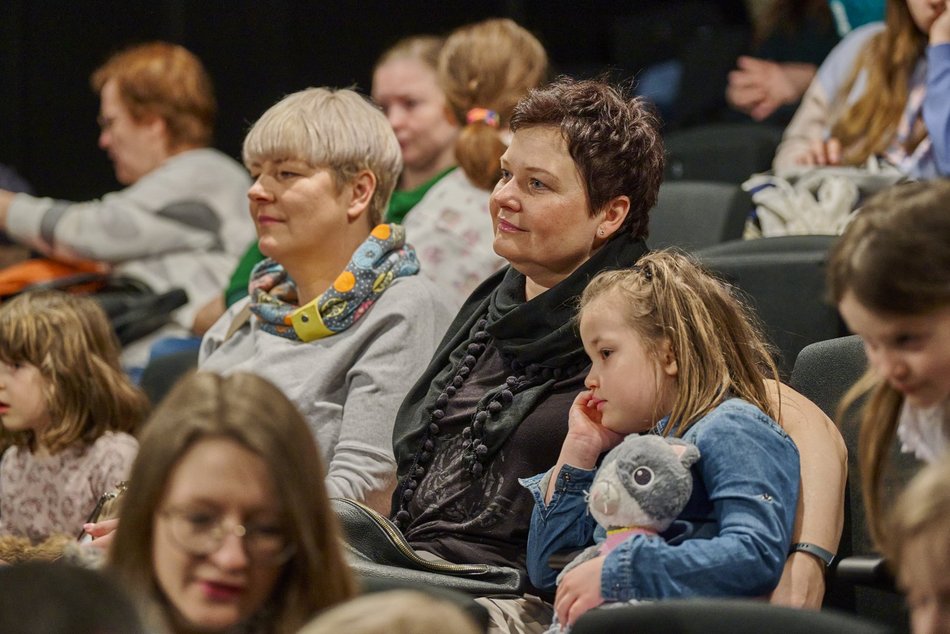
point(642, 486)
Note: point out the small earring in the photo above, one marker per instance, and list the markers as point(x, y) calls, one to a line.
point(600, 232)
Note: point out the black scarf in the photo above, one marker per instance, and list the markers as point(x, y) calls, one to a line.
point(537, 338)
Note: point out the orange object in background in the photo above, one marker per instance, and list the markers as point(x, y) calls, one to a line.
point(39, 271)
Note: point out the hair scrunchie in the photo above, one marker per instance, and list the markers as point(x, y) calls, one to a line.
point(489, 117)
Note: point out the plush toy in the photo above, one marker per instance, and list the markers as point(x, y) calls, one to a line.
point(641, 487)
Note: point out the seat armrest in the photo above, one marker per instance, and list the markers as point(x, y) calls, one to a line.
point(864, 570)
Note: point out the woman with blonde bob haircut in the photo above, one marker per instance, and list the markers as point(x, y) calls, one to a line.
point(336, 129)
point(337, 316)
point(225, 458)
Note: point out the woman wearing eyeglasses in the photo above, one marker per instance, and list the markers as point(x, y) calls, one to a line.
point(226, 524)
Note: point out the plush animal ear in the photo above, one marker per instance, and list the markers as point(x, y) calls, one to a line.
point(687, 453)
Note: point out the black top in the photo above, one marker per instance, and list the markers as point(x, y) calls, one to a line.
point(492, 407)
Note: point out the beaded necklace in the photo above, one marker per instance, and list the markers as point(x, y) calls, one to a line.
point(474, 449)
point(526, 334)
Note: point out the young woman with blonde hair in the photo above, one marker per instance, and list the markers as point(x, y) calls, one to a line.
point(444, 213)
point(226, 521)
point(884, 91)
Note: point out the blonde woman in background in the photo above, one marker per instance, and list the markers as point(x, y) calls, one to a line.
point(883, 91)
point(483, 69)
point(226, 523)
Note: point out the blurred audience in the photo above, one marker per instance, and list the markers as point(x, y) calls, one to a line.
point(181, 220)
point(883, 92)
point(226, 525)
point(792, 39)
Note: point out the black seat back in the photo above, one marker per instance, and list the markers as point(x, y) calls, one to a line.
point(824, 372)
point(693, 215)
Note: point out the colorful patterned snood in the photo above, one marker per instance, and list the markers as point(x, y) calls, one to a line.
point(383, 257)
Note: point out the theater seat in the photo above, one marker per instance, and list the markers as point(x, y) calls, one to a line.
point(701, 616)
point(859, 581)
point(692, 215)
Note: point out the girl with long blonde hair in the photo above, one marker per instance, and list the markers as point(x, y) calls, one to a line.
point(884, 91)
point(673, 353)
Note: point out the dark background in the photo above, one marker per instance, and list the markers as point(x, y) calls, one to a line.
point(257, 52)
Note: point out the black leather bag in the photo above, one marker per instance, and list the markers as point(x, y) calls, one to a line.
point(376, 549)
point(133, 309)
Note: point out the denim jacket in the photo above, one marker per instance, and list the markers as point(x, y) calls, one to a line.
point(731, 539)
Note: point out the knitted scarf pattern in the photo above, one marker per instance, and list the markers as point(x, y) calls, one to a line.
point(380, 259)
point(538, 342)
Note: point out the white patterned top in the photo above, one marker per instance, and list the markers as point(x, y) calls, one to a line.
point(451, 230)
point(923, 430)
point(44, 495)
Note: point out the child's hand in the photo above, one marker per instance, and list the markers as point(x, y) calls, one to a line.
point(821, 153)
point(579, 591)
point(586, 437)
point(940, 29)
point(102, 533)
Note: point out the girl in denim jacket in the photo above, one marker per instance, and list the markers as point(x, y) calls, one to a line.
point(674, 353)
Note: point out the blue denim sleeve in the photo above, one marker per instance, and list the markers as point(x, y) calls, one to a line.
point(750, 470)
point(936, 111)
point(563, 524)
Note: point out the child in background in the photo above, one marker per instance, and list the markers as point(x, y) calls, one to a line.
point(68, 408)
point(393, 612)
point(889, 274)
point(673, 353)
point(884, 91)
point(918, 547)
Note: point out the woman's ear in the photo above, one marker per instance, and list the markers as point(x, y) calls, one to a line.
point(361, 190)
point(157, 128)
point(614, 213)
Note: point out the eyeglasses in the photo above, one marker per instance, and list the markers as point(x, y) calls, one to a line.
point(201, 533)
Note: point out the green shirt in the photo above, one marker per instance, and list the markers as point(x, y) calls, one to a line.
point(402, 202)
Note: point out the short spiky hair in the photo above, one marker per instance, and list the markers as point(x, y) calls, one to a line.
point(69, 339)
point(614, 141)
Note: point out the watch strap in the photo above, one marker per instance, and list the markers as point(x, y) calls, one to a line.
point(825, 556)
